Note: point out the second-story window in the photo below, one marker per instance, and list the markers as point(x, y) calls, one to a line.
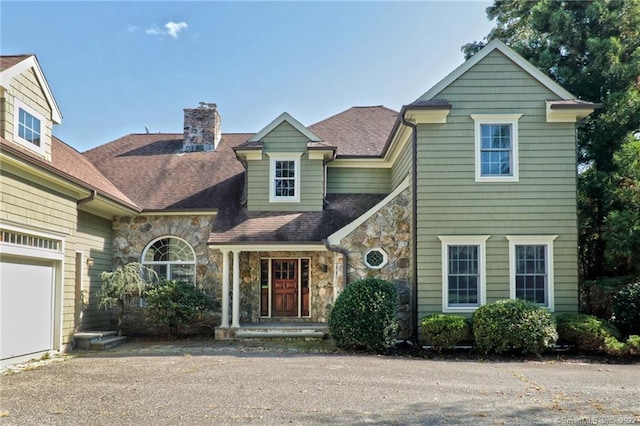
point(496, 142)
point(496, 150)
point(285, 178)
point(28, 127)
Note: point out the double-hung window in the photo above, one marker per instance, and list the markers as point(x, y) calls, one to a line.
point(463, 272)
point(531, 269)
point(27, 127)
point(496, 147)
point(284, 177)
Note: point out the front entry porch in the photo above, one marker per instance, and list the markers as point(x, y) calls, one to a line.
point(277, 292)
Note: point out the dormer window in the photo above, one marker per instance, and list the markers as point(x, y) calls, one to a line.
point(285, 177)
point(28, 127)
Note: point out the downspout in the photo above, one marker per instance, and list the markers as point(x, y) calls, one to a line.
point(345, 256)
point(414, 228)
point(90, 198)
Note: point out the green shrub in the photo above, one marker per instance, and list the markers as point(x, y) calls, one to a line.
point(614, 347)
point(176, 304)
point(443, 331)
point(513, 326)
point(365, 316)
point(626, 309)
point(584, 332)
point(633, 344)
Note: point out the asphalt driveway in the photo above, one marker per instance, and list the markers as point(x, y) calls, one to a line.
point(163, 384)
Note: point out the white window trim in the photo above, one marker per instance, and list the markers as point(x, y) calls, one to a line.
point(511, 119)
point(385, 258)
point(17, 106)
point(459, 240)
point(284, 156)
point(172, 262)
point(547, 241)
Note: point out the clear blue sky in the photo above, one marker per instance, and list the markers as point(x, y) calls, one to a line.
point(115, 67)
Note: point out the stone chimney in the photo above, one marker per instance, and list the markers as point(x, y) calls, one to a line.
point(201, 128)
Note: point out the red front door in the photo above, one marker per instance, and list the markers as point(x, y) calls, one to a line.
point(285, 287)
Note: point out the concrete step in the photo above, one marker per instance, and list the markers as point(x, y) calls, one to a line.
point(282, 330)
point(107, 343)
point(85, 340)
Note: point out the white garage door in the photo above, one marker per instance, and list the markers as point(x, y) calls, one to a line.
point(26, 302)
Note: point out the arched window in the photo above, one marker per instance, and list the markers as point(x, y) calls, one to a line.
point(172, 258)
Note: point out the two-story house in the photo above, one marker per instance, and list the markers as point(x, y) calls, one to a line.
point(56, 216)
point(466, 196)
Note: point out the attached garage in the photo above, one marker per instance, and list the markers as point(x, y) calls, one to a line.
point(26, 308)
point(29, 295)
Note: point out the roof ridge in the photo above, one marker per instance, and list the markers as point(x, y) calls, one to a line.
point(353, 107)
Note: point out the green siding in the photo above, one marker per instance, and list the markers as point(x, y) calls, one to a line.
point(34, 206)
point(285, 138)
point(342, 180)
point(450, 202)
point(402, 166)
point(94, 239)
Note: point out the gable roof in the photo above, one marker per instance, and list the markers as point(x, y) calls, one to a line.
point(509, 53)
point(360, 131)
point(12, 65)
point(278, 121)
point(149, 169)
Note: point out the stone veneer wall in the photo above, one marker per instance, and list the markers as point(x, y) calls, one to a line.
point(390, 230)
point(320, 283)
point(131, 234)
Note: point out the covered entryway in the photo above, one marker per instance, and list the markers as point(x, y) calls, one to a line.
point(27, 301)
point(293, 286)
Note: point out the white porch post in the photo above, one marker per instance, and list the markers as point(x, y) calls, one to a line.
point(225, 289)
point(235, 316)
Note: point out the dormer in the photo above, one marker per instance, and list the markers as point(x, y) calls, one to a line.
point(285, 167)
point(28, 110)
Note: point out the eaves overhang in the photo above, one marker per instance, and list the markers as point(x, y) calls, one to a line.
point(179, 212)
point(12, 157)
point(432, 111)
point(267, 246)
point(569, 111)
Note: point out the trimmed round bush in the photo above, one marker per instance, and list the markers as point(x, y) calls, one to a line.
point(626, 309)
point(584, 332)
point(513, 326)
point(443, 331)
point(365, 316)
